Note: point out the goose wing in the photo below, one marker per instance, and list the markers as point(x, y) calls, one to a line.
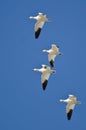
point(72, 97)
point(69, 110)
point(38, 26)
point(51, 58)
point(55, 48)
point(44, 79)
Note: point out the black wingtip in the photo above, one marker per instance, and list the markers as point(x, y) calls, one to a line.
point(57, 46)
point(52, 63)
point(37, 33)
point(69, 114)
point(44, 84)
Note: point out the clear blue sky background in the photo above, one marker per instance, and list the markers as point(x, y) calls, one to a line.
point(23, 103)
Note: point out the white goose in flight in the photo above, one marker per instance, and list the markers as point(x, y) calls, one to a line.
point(52, 53)
point(46, 71)
point(41, 19)
point(71, 102)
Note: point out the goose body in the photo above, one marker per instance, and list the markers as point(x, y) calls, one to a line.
point(41, 19)
point(52, 53)
point(71, 102)
point(46, 71)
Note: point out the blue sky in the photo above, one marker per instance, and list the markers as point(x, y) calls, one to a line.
point(23, 103)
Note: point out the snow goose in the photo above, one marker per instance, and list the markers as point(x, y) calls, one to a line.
point(71, 102)
point(52, 53)
point(46, 71)
point(41, 19)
